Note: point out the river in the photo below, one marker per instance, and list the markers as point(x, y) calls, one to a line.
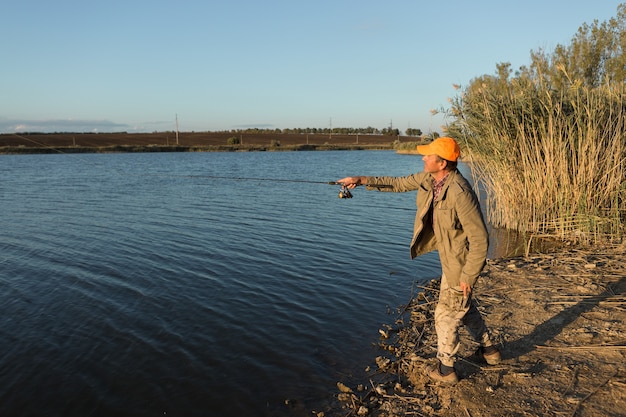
point(143, 285)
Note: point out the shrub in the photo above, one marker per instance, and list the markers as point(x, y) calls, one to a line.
point(548, 144)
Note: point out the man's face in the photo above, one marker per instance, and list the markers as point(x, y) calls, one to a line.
point(433, 164)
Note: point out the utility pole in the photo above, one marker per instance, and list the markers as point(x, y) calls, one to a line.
point(176, 128)
point(331, 128)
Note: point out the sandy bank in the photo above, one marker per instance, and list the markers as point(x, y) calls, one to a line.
point(561, 322)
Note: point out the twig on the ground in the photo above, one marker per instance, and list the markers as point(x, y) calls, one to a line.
point(590, 347)
point(590, 394)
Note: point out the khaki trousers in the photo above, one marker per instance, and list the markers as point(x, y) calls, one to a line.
point(453, 311)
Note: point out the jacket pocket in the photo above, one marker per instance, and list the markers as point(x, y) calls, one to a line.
point(447, 219)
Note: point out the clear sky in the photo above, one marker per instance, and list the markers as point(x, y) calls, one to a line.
point(137, 65)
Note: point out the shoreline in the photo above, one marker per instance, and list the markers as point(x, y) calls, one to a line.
point(32, 143)
point(9, 150)
point(560, 321)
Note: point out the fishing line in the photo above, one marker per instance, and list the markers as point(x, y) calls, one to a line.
point(263, 179)
point(303, 181)
point(75, 155)
point(120, 170)
point(53, 148)
point(85, 161)
point(343, 193)
point(282, 180)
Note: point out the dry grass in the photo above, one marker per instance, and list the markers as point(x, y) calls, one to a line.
point(552, 163)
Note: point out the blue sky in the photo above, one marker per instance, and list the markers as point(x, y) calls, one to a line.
point(136, 65)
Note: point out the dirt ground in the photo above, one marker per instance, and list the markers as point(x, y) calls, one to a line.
point(560, 321)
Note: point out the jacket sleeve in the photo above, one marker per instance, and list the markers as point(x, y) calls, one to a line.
point(397, 184)
point(471, 219)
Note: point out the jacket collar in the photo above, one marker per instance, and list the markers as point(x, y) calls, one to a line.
point(446, 185)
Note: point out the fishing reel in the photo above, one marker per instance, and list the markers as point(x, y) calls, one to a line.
point(344, 192)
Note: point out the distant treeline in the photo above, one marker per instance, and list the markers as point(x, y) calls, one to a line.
point(66, 133)
point(388, 131)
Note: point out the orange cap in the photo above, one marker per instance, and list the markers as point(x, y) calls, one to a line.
point(444, 147)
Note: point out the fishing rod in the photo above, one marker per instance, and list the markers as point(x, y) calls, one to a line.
point(343, 193)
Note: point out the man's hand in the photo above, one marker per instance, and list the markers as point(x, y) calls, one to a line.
point(466, 288)
point(351, 182)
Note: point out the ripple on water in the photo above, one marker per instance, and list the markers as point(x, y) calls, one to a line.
point(134, 284)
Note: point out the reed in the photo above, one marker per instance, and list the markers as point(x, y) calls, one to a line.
point(406, 146)
point(551, 162)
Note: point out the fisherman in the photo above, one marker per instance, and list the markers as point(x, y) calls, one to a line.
point(449, 220)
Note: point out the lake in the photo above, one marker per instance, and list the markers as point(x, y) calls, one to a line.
point(143, 285)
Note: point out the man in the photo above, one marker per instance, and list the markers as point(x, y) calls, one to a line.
point(448, 220)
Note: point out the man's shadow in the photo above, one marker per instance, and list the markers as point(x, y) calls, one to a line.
point(548, 330)
point(551, 328)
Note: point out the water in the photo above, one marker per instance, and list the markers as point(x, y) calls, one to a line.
point(137, 285)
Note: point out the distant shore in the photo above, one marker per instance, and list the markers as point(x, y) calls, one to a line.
point(156, 148)
point(40, 143)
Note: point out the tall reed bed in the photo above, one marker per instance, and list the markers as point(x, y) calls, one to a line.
point(552, 163)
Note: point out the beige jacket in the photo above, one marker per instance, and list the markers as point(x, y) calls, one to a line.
point(460, 234)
